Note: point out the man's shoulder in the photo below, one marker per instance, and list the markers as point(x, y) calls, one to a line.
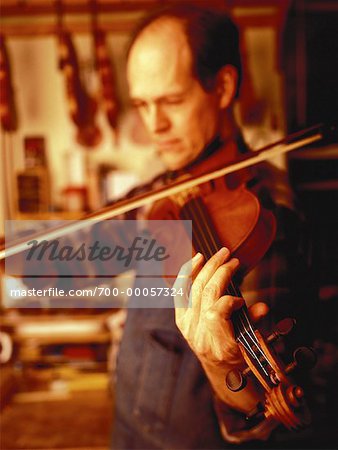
point(149, 186)
point(138, 190)
point(270, 184)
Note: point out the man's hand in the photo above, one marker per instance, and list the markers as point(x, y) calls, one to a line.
point(204, 321)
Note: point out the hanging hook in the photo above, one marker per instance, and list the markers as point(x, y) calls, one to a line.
point(93, 13)
point(59, 15)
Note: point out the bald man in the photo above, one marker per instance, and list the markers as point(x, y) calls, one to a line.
point(184, 73)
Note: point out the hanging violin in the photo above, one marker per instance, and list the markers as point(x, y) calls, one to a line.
point(82, 107)
point(8, 115)
point(105, 71)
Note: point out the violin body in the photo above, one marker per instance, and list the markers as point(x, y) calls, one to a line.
point(107, 78)
point(82, 107)
point(238, 220)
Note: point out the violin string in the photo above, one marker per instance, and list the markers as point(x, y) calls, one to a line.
point(199, 222)
point(232, 289)
point(249, 327)
point(245, 320)
point(202, 215)
point(243, 341)
point(202, 245)
point(249, 330)
point(241, 338)
point(187, 214)
point(206, 231)
point(256, 342)
point(242, 330)
point(246, 345)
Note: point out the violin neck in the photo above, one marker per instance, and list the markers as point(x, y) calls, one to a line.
point(207, 242)
point(240, 318)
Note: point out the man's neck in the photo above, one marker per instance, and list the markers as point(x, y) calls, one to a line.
point(229, 129)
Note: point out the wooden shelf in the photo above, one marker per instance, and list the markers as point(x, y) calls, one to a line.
point(40, 17)
point(63, 215)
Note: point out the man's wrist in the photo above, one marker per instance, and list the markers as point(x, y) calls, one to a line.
point(236, 429)
point(245, 400)
point(225, 366)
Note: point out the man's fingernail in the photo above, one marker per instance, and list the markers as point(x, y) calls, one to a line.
point(223, 252)
point(197, 257)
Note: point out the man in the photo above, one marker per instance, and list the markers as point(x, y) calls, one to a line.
point(184, 73)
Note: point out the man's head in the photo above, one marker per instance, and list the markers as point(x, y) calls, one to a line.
point(183, 72)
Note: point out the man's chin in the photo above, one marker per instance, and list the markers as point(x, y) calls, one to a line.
point(171, 163)
point(171, 160)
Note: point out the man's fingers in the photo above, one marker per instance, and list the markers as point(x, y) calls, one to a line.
point(184, 279)
point(218, 283)
point(224, 307)
point(211, 266)
point(258, 311)
point(205, 274)
point(187, 271)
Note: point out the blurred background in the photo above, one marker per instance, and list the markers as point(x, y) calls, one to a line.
point(70, 144)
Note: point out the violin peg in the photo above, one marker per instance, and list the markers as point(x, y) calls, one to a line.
point(283, 328)
point(304, 358)
point(236, 380)
point(256, 414)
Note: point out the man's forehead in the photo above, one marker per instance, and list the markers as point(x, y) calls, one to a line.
point(160, 57)
point(161, 30)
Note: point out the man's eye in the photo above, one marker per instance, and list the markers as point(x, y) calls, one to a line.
point(174, 100)
point(138, 105)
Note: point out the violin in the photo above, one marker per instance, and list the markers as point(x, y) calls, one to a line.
point(107, 78)
point(8, 114)
point(106, 73)
point(82, 107)
point(233, 217)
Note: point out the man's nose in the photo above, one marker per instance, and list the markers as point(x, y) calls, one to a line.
point(158, 119)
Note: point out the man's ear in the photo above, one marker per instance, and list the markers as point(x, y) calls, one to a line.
point(227, 79)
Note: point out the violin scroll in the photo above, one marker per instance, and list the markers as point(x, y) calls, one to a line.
point(284, 400)
point(286, 404)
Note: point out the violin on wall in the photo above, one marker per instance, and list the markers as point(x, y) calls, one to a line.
point(8, 116)
point(82, 107)
point(106, 73)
